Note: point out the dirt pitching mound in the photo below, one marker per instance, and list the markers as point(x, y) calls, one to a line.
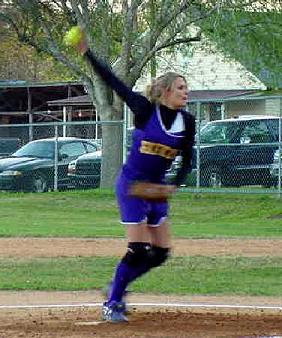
point(145, 323)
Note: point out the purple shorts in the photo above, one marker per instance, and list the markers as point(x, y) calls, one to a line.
point(135, 210)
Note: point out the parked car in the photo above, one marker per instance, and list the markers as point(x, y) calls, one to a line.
point(32, 167)
point(274, 169)
point(85, 171)
point(237, 151)
point(8, 145)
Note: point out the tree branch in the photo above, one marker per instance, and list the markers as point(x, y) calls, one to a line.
point(82, 16)
point(175, 42)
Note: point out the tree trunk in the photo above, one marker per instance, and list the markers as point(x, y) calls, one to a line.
point(112, 153)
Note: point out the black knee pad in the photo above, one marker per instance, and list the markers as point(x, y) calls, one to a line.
point(158, 256)
point(137, 252)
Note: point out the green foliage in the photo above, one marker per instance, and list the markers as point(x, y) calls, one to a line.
point(105, 25)
point(252, 38)
point(246, 33)
point(31, 65)
point(38, 28)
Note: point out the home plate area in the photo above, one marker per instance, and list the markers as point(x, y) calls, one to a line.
point(145, 320)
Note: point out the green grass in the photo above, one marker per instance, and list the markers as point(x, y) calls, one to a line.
point(189, 275)
point(93, 213)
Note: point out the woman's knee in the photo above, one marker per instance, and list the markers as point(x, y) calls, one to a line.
point(137, 252)
point(158, 255)
point(145, 254)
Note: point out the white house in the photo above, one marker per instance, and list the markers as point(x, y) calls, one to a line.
point(226, 87)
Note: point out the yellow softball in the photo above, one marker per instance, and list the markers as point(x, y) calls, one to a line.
point(73, 36)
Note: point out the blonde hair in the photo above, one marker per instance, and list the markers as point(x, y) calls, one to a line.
point(154, 90)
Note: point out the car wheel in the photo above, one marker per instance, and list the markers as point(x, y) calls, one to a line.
point(270, 182)
point(38, 183)
point(212, 177)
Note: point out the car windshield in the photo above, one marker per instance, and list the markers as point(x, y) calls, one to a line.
point(44, 149)
point(274, 125)
point(218, 132)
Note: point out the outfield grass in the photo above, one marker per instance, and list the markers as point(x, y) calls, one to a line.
point(93, 213)
point(181, 275)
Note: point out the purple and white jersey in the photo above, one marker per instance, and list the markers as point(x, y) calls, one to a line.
point(154, 148)
point(154, 145)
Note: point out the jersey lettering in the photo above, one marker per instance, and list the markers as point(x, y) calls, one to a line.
point(157, 149)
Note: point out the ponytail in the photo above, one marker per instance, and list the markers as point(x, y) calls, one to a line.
point(154, 90)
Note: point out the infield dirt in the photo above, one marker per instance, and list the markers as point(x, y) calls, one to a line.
point(144, 321)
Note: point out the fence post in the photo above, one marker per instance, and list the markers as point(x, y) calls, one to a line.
point(56, 159)
point(198, 146)
point(124, 132)
point(30, 116)
point(64, 120)
point(280, 151)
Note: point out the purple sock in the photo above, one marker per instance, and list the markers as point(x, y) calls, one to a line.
point(123, 276)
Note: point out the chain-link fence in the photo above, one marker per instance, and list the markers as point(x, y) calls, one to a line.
point(233, 152)
point(44, 156)
point(238, 145)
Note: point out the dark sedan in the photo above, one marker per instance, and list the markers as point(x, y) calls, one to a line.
point(8, 145)
point(85, 171)
point(41, 165)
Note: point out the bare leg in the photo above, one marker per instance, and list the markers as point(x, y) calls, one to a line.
point(137, 233)
point(160, 236)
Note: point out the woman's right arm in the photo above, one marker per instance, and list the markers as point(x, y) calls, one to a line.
point(138, 103)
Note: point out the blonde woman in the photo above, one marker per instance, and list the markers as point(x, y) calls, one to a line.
point(163, 129)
